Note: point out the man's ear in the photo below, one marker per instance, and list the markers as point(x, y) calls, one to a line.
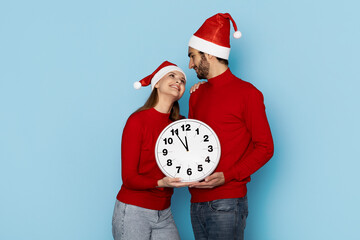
point(209, 57)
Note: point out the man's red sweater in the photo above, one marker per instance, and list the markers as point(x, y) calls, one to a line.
point(140, 172)
point(234, 109)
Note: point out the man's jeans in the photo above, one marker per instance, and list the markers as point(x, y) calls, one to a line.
point(220, 219)
point(136, 223)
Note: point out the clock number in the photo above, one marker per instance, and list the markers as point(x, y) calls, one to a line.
point(207, 159)
point(168, 141)
point(197, 131)
point(189, 172)
point(165, 152)
point(186, 127)
point(206, 138)
point(169, 162)
point(200, 168)
point(178, 169)
point(210, 148)
point(174, 131)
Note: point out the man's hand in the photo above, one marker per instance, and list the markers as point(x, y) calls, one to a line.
point(214, 180)
point(172, 182)
point(196, 86)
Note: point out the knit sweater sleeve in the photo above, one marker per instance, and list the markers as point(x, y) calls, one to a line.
point(191, 100)
point(130, 157)
point(262, 148)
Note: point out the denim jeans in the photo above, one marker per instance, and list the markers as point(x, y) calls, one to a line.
point(219, 219)
point(136, 223)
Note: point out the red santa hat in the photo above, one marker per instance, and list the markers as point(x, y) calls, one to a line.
point(213, 36)
point(160, 72)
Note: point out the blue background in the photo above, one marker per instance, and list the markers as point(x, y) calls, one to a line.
point(66, 75)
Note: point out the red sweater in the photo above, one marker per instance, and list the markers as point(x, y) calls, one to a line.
point(140, 172)
point(236, 112)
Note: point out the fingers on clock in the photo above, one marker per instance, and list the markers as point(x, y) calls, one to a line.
point(175, 179)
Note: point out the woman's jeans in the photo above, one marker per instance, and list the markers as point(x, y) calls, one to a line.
point(136, 223)
point(219, 219)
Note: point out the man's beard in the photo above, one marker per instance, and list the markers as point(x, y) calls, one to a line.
point(203, 68)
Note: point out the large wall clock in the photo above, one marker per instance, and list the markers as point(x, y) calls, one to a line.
point(188, 149)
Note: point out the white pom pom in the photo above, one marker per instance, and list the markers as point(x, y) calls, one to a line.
point(137, 85)
point(237, 34)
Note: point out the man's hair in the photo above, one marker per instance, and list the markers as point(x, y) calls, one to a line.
point(221, 60)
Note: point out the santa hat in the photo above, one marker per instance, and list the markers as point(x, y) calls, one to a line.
point(160, 72)
point(213, 36)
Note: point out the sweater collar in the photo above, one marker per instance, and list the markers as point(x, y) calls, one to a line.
point(221, 79)
point(159, 114)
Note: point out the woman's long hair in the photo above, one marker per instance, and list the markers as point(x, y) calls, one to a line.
point(153, 100)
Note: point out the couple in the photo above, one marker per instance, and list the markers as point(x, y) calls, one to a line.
point(233, 108)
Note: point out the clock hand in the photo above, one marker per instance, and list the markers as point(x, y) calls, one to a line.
point(182, 142)
point(187, 146)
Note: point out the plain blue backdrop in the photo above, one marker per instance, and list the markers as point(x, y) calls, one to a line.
point(66, 75)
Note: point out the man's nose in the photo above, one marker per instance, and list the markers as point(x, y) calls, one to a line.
point(191, 64)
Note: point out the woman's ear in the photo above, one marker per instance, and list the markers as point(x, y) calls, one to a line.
point(157, 85)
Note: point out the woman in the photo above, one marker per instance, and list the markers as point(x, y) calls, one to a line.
point(142, 209)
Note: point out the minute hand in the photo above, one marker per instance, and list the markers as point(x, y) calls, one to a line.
point(185, 146)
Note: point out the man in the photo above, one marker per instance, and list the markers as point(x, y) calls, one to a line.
point(236, 112)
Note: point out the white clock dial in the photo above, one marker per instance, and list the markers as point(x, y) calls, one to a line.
point(188, 149)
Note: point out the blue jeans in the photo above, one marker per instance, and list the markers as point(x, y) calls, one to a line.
point(219, 219)
point(136, 223)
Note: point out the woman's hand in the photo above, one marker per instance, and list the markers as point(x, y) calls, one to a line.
point(196, 86)
point(172, 182)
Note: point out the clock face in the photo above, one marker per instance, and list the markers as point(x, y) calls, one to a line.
point(188, 149)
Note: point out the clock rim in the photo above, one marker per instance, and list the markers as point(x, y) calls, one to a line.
point(196, 121)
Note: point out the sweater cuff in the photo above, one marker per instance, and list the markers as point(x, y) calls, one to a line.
point(229, 175)
point(155, 183)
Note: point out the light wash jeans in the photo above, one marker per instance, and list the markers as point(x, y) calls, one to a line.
point(130, 222)
point(219, 219)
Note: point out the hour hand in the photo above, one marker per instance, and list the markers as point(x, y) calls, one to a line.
point(185, 146)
